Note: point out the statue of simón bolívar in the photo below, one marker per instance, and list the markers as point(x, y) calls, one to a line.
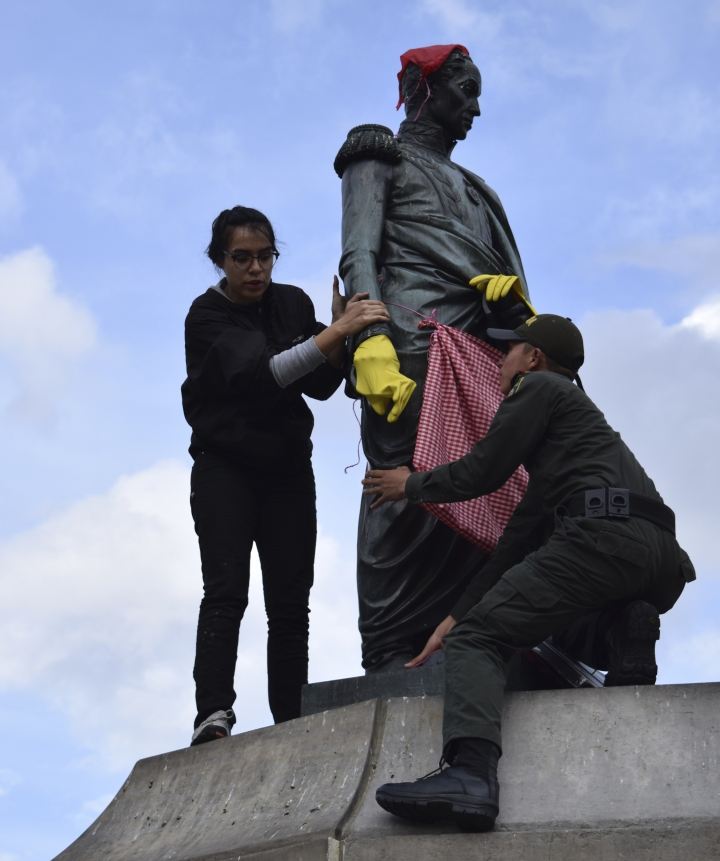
point(416, 227)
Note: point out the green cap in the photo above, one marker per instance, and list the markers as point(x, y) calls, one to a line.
point(558, 337)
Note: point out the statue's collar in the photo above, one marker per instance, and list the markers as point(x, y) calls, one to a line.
point(425, 134)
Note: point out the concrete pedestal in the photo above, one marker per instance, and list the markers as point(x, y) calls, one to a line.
point(586, 774)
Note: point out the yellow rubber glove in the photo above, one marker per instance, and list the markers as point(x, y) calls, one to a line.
point(379, 378)
point(498, 286)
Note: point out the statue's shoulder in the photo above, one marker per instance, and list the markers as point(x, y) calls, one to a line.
point(474, 179)
point(366, 142)
point(479, 183)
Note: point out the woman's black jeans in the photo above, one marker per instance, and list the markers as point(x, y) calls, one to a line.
point(234, 507)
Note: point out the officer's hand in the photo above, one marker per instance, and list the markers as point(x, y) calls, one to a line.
point(434, 644)
point(387, 484)
point(379, 379)
point(497, 287)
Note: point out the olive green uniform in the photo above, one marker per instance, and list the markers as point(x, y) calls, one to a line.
point(549, 569)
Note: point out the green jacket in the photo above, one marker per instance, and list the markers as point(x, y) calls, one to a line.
point(556, 432)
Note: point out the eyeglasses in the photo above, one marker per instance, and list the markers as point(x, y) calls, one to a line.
point(243, 260)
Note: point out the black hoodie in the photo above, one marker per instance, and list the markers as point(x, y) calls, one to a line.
point(230, 397)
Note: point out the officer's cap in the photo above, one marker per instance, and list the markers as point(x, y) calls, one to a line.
point(558, 337)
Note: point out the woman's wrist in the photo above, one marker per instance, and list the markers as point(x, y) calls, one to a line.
point(339, 327)
point(330, 339)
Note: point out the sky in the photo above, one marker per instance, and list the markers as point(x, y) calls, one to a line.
point(125, 127)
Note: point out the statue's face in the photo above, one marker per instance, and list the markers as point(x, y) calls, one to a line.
point(454, 105)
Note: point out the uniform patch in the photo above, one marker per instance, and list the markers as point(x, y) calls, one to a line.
point(516, 385)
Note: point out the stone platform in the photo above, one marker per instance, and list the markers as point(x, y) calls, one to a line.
point(543, 668)
point(587, 774)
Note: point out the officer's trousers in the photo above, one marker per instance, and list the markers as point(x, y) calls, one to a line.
point(585, 566)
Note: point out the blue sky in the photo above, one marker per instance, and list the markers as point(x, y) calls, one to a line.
point(124, 129)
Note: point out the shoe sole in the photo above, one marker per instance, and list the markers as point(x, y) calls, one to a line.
point(641, 623)
point(208, 734)
point(470, 817)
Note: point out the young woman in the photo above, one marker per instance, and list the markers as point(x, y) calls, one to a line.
point(253, 349)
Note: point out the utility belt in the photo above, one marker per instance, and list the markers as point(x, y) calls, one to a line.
point(620, 503)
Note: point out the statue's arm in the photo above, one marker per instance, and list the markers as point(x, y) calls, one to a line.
point(365, 192)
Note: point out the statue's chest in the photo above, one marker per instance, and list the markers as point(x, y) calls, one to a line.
point(435, 186)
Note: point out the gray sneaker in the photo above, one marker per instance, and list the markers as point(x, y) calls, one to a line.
point(218, 725)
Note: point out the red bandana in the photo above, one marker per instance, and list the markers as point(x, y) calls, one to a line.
point(429, 59)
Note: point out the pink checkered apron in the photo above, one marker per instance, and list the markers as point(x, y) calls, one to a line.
point(462, 394)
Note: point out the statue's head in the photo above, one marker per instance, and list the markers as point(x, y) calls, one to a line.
point(447, 95)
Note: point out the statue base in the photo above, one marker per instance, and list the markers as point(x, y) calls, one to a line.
point(586, 775)
point(544, 668)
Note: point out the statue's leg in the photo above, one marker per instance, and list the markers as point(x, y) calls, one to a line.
point(411, 570)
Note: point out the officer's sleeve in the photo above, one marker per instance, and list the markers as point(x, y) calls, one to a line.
point(526, 531)
point(365, 192)
point(518, 427)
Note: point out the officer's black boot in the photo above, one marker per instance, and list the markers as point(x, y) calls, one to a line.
point(467, 792)
point(631, 646)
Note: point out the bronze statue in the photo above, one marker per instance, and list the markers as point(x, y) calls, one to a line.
point(416, 228)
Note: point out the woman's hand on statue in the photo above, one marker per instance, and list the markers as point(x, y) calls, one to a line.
point(387, 484)
point(434, 644)
point(360, 312)
point(349, 317)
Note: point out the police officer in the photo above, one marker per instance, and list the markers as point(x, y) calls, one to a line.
point(589, 556)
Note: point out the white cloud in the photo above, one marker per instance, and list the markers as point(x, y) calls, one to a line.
point(42, 331)
point(90, 811)
point(625, 51)
point(657, 386)
point(660, 208)
point(136, 145)
point(98, 608)
point(515, 44)
point(705, 318)
point(289, 16)
point(457, 16)
point(701, 652)
point(694, 259)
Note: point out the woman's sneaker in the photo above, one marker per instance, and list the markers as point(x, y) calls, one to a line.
point(218, 725)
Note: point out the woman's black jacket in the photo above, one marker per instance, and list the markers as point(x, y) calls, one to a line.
point(230, 397)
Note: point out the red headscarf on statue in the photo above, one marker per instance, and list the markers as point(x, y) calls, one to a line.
point(429, 59)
